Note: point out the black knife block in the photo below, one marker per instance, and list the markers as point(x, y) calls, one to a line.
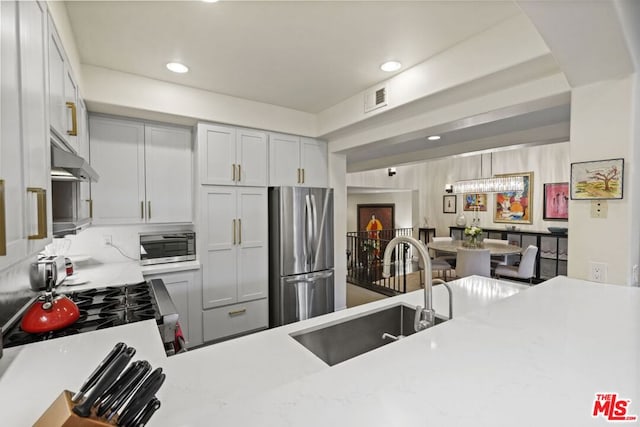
point(60, 414)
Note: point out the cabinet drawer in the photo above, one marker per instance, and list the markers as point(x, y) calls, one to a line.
point(235, 319)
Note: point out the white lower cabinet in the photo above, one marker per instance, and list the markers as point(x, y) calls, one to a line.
point(234, 254)
point(235, 319)
point(184, 289)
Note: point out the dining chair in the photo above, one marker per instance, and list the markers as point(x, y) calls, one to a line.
point(439, 265)
point(473, 261)
point(443, 256)
point(497, 260)
point(526, 268)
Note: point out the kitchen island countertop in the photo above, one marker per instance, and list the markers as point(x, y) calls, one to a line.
point(535, 358)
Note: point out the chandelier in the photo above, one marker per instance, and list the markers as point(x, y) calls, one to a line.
point(496, 184)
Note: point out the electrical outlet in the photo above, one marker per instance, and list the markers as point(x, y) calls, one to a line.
point(598, 272)
point(106, 239)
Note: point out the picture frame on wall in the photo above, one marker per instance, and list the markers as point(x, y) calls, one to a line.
point(476, 202)
point(375, 217)
point(597, 180)
point(515, 207)
point(449, 203)
point(556, 201)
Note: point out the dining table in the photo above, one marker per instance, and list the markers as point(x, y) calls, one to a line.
point(496, 249)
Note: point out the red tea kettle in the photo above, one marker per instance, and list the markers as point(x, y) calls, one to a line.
point(49, 313)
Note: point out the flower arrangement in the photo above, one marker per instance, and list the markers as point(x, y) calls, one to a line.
point(473, 232)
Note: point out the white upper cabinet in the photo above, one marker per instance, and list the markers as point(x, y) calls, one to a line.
point(314, 162)
point(145, 172)
point(117, 154)
point(232, 156)
point(63, 93)
point(24, 142)
point(297, 161)
point(168, 173)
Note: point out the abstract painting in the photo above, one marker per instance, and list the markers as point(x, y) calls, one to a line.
point(475, 202)
point(556, 201)
point(515, 207)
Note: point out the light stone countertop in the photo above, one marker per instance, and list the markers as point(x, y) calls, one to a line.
point(508, 358)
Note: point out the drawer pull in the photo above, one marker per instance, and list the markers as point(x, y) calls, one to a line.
point(234, 231)
point(74, 119)
point(3, 235)
point(239, 231)
point(303, 175)
point(237, 312)
point(233, 170)
point(41, 203)
point(141, 210)
point(239, 174)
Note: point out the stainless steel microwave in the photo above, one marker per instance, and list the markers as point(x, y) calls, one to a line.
point(163, 247)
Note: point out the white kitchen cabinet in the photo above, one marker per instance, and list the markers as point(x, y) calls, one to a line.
point(184, 288)
point(63, 93)
point(297, 161)
point(232, 156)
point(235, 319)
point(24, 142)
point(145, 172)
point(235, 240)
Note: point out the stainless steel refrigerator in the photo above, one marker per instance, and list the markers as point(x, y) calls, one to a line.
point(301, 276)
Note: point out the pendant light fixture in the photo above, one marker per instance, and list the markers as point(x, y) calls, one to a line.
point(494, 184)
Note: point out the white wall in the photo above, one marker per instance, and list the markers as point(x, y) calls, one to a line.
point(403, 211)
point(602, 127)
point(337, 175)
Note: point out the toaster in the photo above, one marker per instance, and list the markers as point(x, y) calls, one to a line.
point(47, 268)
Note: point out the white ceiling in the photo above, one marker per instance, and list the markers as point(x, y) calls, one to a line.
point(304, 55)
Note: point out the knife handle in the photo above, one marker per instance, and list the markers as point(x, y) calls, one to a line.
point(118, 402)
point(143, 395)
point(97, 373)
point(110, 375)
point(145, 415)
point(131, 376)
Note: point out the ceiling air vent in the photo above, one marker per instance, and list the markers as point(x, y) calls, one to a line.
point(375, 98)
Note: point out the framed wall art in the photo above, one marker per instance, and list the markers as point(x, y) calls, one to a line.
point(376, 217)
point(475, 202)
point(515, 207)
point(449, 203)
point(597, 180)
point(556, 201)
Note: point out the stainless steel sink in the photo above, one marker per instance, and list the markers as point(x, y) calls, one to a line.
point(337, 342)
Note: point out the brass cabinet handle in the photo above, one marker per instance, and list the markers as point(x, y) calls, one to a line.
point(74, 119)
point(3, 233)
point(233, 168)
point(41, 196)
point(303, 175)
point(149, 209)
point(298, 175)
point(90, 201)
point(239, 174)
point(239, 231)
point(234, 231)
point(237, 312)
point(141, 209)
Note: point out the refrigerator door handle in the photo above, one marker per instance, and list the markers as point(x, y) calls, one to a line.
point(308, 230)
point(310, 279)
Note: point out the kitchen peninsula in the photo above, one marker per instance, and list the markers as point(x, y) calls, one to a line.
point(511, 356)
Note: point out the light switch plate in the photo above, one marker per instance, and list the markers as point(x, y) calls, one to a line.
point(599, 209)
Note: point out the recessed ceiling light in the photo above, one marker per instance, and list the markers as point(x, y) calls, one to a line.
point(390, 66)
point(177, 67)
point(434, 137)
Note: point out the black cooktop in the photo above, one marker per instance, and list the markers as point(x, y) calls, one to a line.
point(99, 308)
